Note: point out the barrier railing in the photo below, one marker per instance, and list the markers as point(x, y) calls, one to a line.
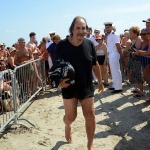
point(6, 99)
point(24, 83)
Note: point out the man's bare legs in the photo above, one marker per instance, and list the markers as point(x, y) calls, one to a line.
point(70, 106)
point(89, 115)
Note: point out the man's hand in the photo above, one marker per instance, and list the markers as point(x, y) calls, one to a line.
point(100, 87)
point(63, 83)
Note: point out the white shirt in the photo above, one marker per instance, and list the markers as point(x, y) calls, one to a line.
point(92, 39)
point(49, 43)
point(112, 40)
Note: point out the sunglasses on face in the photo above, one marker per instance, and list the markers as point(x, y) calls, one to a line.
point(107, 25)
point(21, 42)
point(98, 39)
point(143, 34)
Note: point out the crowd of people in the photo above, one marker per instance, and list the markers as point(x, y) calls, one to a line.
point(94, 57)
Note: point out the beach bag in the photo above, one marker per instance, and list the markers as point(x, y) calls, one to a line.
point(61, 70)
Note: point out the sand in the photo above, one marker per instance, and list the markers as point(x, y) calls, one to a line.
point(121, 124)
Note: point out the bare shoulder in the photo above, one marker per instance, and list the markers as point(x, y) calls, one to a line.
point(138, 42)
point(28, 45)
point(139, 39)
point(28, 49)
point(104, 44)
point(128, 42)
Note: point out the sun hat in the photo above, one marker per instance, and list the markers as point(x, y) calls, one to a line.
point(12, 49)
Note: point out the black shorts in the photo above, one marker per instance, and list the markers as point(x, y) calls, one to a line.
point(101, 59)
point(72, 92)
point(46, 65)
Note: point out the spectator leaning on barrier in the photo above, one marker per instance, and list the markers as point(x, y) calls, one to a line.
point(146, 52)
point(32, 45)
point(35, 52)
point(135, 73)
point(23, 56)
point(11, 63)
point(3, 53)
point(145, 61)
point(44, 54)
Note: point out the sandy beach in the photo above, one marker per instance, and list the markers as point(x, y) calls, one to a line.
point(121, 124)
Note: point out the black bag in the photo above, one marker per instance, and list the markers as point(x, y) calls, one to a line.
point(61, 70)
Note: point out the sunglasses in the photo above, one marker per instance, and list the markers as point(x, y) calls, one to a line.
point(143, 34)
point(98, 39)
point(21, 42)
point(108, 25)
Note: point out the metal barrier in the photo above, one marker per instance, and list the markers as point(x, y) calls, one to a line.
point(6, 99)
point(136, 71)
point(25, 82)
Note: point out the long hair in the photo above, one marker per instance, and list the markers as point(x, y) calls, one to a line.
point(73, 24)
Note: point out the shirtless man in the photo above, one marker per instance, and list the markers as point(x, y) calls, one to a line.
point(3, 53)
point(35, 51)
point(24, 54)
point(24, 74)
point(31, 44)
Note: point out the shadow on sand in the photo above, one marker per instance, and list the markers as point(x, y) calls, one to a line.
point(124, 113)
point(58, 145)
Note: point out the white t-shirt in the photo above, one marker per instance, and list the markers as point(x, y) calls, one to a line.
point(112, 40)
point(92, 38)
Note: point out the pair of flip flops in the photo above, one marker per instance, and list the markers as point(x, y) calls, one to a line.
point(137, 95)
point(134, 91)
point(105, 84)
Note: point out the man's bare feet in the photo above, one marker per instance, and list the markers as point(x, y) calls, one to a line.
point(90, 146)
point(68, 134)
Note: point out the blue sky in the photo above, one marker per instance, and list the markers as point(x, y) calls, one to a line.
point(19, 18)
